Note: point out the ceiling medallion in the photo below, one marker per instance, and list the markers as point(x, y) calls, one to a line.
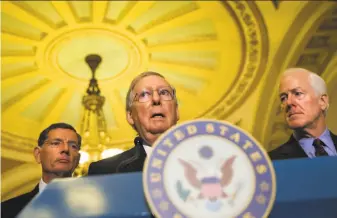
point(64, 51)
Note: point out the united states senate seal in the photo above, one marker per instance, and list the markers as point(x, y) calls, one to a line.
point(208, 168)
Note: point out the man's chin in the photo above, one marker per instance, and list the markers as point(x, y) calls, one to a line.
point(295, 125)
point(158, 130)
point(63, 171)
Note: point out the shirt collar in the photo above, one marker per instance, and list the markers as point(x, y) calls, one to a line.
point(148, 149)
point(322, 137)
point(306, 143)
point(326, 138)
point(42, 185)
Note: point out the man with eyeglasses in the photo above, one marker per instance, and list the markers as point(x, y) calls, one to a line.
point(58, 153)
point(151, 109)
point(304, 101)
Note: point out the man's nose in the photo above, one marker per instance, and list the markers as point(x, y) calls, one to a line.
point(289, 102)
point(155, 97)
point(65, 147)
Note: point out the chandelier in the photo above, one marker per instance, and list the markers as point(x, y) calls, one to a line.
point(96, 140)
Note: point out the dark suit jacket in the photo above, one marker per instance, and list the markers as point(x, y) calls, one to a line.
point(292, 149)
point(129, 161)
point(12, 207)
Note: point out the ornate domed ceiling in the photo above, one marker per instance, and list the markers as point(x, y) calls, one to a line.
point(223, 57)
point(212, 52)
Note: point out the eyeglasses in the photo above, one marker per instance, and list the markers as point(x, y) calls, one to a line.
point(57, 142)
point(165, 94)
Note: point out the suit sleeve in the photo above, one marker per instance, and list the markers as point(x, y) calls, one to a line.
point(273, 155)
point(93, 169)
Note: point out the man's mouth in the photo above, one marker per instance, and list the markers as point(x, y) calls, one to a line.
point(291, 114)
point(63, 160)
point(157, 115)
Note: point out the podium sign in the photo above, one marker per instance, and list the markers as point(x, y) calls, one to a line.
point(208, 168)
point(202, 168)
point(306, 188)
point(117, 196)
point(300, 193)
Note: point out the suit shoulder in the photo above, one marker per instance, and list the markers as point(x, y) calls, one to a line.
point(11, 207)
point(333, 135)
point(17, 199)
point(275, 153)
point(279, 148)
point(110, 164)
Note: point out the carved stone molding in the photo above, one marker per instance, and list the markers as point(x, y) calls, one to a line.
point(255, 51)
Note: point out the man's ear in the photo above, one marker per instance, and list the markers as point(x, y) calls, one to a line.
point(129, 118)
point(324, 102)
point(177, 112)
point(37, 154)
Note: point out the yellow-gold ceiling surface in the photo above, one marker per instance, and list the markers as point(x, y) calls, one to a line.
point(223, 57)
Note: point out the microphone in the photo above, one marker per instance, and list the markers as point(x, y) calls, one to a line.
point(138, 141)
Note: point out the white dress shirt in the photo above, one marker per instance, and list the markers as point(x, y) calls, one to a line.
point(148, 149)
point(42, 185)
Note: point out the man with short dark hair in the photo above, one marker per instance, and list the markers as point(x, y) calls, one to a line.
point(304, 101)
point(58, 153)
point(151, 109)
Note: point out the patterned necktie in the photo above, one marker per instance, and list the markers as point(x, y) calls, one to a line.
point(318, 144)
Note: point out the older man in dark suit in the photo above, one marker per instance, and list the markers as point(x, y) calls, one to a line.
point(304, 100)
point(151, 109)
point(58, 153)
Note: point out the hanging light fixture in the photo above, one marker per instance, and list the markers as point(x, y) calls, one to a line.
point(95, 136)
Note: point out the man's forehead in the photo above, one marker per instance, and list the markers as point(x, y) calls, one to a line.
point(294, 81)
point(62, 133)
point(152, 81)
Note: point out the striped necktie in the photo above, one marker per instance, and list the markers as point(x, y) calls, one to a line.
point(319, 147)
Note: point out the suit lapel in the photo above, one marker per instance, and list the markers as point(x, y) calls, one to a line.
point(136, 162)
point(35, 190)
point(334, 139)
point(293, 149)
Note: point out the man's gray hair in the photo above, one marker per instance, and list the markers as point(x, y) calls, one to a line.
point(316, 82)
point(134, 82)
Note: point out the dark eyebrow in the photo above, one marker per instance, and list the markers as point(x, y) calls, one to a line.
point(58, 139)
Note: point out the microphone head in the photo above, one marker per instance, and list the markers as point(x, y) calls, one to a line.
point(138, 141)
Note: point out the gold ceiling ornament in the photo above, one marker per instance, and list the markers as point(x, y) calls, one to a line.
point(95, 136)
point(212, 51)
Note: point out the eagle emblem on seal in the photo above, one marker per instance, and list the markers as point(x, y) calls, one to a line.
point(210, 187)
